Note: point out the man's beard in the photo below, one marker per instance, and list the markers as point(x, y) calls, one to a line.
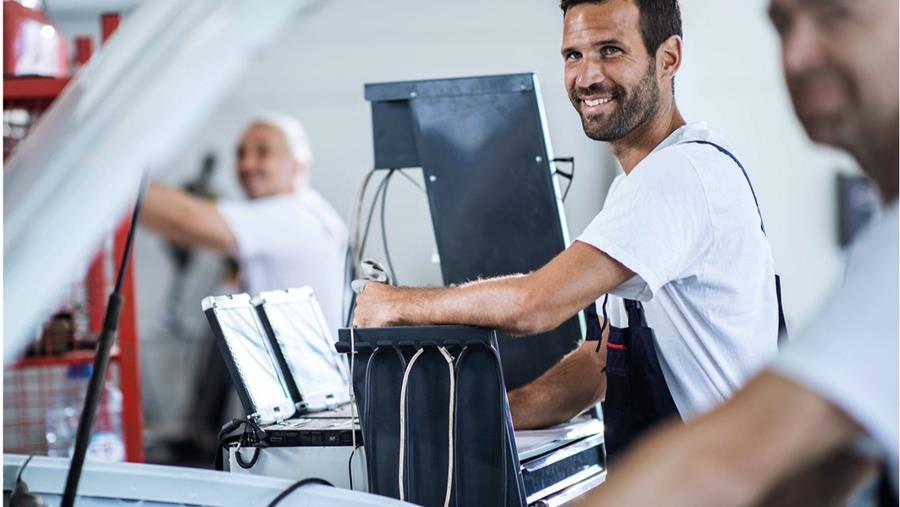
point(633, 109)
point(841, 127)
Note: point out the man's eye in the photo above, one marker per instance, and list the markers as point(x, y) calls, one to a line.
point(835, 14)
point(780, 21)
point(574, 55)
point(610, 50)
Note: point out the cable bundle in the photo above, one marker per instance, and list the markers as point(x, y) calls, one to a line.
point(431, 397)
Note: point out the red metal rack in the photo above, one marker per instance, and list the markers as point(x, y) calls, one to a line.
point(29, 383)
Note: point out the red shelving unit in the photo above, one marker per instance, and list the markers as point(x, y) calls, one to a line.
point(29, 384)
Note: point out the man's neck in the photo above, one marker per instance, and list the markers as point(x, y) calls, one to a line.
point(634, 147)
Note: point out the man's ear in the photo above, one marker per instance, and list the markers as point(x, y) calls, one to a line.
point(300, 174)
point(668, 57)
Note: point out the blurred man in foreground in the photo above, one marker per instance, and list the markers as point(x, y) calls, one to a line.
point(797, 432)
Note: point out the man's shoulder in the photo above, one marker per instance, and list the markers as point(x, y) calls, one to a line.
point(665, 170)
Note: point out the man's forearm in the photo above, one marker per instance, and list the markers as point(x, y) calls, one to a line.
point(186, 220)
point(564, 391)
point(733, 456)
point(518, 304)
point(500, 303)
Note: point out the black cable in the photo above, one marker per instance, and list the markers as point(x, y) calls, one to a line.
point(101, 361)
point(247, 465)
point(567, 175)
point(258, 441)
point(20, 496)
point(357, 218)
point(384, 242)
point(368, 438)
point(22, 469)
point(378, 193)
point(303, 482)
point(350, 461)
point(411, 180)
point(605, 323)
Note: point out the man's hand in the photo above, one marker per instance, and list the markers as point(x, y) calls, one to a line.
point(572, 386)
point(376, 305)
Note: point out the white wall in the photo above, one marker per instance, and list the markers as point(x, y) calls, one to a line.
point(731, 77)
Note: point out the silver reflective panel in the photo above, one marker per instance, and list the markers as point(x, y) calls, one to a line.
point(254, 357)
point(308, 347)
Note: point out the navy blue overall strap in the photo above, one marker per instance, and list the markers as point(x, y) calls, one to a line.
point(782, 324)
point(746, 176)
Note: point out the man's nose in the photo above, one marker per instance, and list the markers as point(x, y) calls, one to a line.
point(802, 47)
point(590, 72)
point(245, 164)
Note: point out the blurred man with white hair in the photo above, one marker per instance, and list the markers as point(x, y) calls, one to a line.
point(284, 235)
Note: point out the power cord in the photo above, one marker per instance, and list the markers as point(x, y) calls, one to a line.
point(403, 386)
point(295, 486)
point(450, 424)
point(359, 243)
point(384, 241)
point(356, 217)
point(20, 496)
point(253, 436)
point(379, 195)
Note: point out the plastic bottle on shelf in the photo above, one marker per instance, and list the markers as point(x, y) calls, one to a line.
point(64, 412)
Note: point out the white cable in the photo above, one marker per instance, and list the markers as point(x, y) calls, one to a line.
point(449, 360)
point(403, 419)
point(403, 386)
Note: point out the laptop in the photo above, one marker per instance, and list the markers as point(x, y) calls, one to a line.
point(317, 376)
point(280, 356)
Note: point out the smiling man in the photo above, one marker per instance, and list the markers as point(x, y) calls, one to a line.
point(678, 244)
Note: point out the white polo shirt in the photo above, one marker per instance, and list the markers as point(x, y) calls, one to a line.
point(685, 222)
point(288, 241)
point(849, 354)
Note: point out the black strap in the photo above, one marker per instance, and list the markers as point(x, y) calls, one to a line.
point(782, 324)
point(730, 155)
point(635, 311)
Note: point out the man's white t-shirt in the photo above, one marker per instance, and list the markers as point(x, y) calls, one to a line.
point(291, 240)
point(849, 354)
point(685, 222)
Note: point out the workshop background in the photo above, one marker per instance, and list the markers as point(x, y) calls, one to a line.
point(731, 77)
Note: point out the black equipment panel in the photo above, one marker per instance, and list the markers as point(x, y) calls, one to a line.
point(483, 149)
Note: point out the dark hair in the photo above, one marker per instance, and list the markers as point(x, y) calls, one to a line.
point(660, 19)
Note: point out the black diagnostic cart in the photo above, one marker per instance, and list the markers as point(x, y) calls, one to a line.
point(484, 150)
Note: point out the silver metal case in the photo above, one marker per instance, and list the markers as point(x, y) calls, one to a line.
point(250, 358)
